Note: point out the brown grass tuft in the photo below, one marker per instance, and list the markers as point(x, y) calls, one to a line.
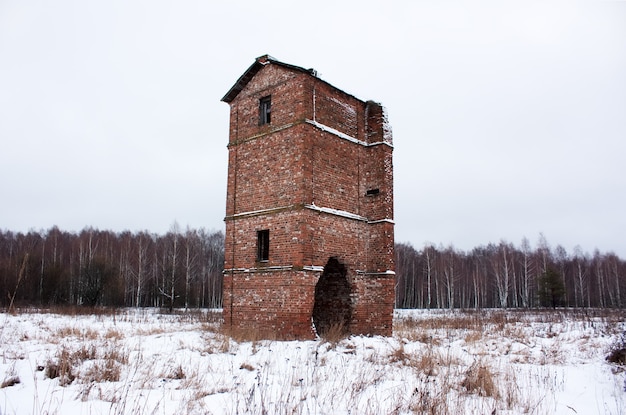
point(113, 334)
point(247, 366)
point(105, 370)
point(399, 355)
point(61, 368)
point(10, 381)
point(117, 354)
point(335, 333)
point(617, 354)
point(242, 335)
point(178, 373)
point(106, 364)
point(473, 336)
point(480, 380)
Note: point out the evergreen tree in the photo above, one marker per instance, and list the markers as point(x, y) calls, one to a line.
point(551, 288)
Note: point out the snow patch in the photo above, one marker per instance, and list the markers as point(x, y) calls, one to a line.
point(183, 363)
point(337, 212)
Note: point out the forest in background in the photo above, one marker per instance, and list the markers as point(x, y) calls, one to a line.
point(183, 268)
point(504, 275)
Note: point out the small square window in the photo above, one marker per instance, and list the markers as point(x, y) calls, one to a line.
point(265, 110)
point(263, 245)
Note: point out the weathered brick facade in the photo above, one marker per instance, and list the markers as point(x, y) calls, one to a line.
point(314, 170)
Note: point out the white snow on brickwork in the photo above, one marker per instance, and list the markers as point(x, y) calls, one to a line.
point(348, 109)
point(260, 211)
point(337, 212)
point(333, 131)
point(387, 132)
point(339, 134)
point(388, 272)
point(382, 220)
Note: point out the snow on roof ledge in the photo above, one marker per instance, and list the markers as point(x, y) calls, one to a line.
point(337, 212)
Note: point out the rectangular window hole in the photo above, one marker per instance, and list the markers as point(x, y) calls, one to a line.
point(372, 192)
point(263, 245)
point(265, 110)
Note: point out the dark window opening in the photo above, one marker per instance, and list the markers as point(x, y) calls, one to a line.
point(265, 110)
point(372, 192)
point(263, 245)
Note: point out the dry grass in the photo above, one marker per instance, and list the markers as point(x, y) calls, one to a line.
point(242, 335)
point(151, 331)
point(216, 344)
point(105, 364)
point(247, 366)
point(473, 336)
point(438, 362)
point(10, 381)
point(399, 355)
point(428, 331)
point(334, 334)
point(431, 362)
point(62, 367)
point(617, 353)
point(102, 371)
point(76, 310)
point(177, 373)
point(113, 334)
point(428, 402)
point(11, 378)
point(480, 380)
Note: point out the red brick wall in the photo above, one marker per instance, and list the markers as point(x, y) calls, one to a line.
point(373, 311)
point(338, 110)
point(289, 102)
point(289, 176)
point(269, 172)
point(287, 239)
point(334, 171)
point(277, 304)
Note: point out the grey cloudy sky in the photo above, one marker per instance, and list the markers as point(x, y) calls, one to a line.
point(509, 118)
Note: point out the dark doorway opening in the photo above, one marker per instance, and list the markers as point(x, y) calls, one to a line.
point(333, 306)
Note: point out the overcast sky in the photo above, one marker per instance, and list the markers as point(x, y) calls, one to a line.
point(509, 118)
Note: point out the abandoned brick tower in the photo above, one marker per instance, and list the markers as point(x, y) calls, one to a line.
point(309, 209)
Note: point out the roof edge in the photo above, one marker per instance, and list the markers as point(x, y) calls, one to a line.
point(259, 62)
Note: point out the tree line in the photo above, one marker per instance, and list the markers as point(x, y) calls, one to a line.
point(183, 268)
point(504, 275)
point(94, 267)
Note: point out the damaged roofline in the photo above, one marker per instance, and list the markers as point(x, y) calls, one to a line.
point(259, 63)
point(254, 69)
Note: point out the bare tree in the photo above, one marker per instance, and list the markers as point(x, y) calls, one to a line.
point(408, 293)
point(191, 246)
point(502, 272)
point(449, 269)
point(527, 273)
point(170, 262)
point(429, 256)
point(581, 293)
point(214, 260)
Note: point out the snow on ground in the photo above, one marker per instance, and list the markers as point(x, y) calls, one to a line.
point(437, 362)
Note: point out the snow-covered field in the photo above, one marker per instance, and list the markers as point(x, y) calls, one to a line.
point(437, 362)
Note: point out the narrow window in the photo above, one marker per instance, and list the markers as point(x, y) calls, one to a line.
point(263, 245)
point(372, 192)
point(265, 110)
